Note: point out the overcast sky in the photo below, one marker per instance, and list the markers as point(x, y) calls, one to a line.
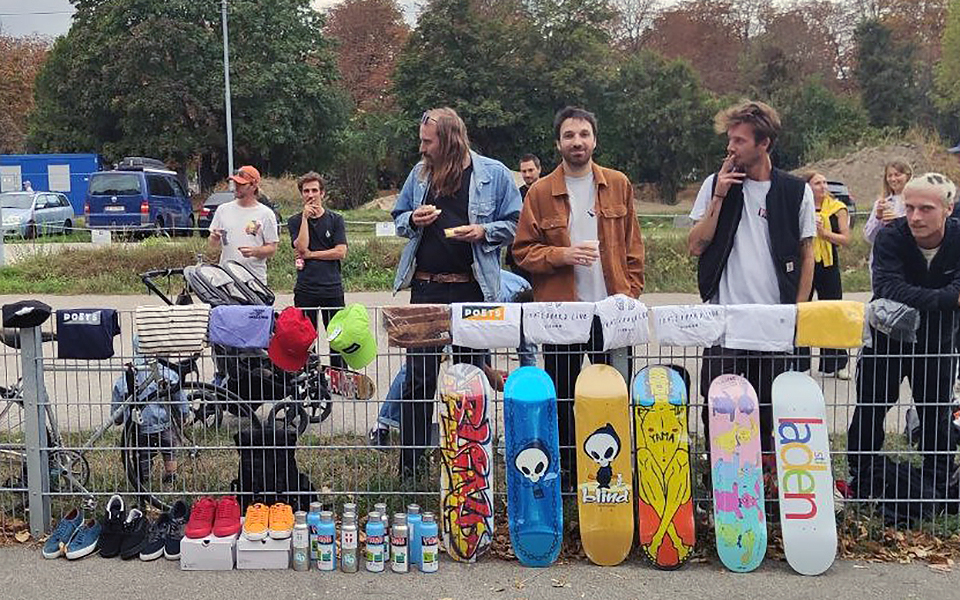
point(52, 17)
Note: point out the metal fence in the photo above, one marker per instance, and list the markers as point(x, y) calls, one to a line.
point(66, 441)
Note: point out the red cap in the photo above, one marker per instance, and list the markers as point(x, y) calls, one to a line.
point(292, 338)
point(246, 174)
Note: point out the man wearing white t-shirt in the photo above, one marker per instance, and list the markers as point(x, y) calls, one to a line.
point(579, 239)
point(753, 235)
point(245, 230)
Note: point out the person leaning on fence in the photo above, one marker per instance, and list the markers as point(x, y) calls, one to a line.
point(457, 208)
point(753, 234)
point(915, 262)
point(833, 231)
point(579, 239)
point(319, 238)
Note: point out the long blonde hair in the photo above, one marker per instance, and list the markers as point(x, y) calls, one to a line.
point(901, 167)
point(446, 171)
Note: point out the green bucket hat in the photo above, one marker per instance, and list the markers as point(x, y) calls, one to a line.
point(349, 334)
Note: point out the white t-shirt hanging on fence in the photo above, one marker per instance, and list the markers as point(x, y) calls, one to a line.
point(689, 325)
point(624, 322)
point(764, 327)
point(484, 326)
point(557, 322)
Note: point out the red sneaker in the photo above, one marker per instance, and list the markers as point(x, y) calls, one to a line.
point(201, 518)
point(227, 522)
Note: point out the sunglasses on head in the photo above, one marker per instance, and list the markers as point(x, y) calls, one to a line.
point(426, 118)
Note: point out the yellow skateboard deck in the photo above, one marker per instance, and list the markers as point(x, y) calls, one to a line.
point(604, 465)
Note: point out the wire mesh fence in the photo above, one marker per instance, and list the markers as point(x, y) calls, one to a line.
point(177, 437)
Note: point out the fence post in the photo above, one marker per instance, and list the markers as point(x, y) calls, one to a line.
point(35, 434)
point(620, 360)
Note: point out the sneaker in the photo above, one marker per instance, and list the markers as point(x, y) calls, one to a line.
point(179, 514)
point(153, 548)
point(201, 518)
point(281, 521)
point(111, 532)
point(255, 523)
point(227, 522)
point(135, 530)
point(379, 437)
point(85, 540)
point(56, 544)
point(844, 374)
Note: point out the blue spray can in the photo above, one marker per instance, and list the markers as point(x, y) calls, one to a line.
point(413, 524)
point(376, 548)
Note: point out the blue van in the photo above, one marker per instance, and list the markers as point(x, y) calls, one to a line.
point(139, 195)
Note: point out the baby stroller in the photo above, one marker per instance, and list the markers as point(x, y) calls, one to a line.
point(296, 399)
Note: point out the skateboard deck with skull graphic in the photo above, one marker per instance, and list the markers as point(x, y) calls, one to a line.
point(664, 501)
point(534, 506)
point(738, 507)
point(466, 469)
point(804, 475)
point(604, 464)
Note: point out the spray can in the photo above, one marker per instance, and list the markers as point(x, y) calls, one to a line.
point(349, 507)
point(413, 524)
point(313, 522)
point(348, 543)
point(430, 544)
point(375, 543)
point(327, 542)
point(381, 507)
point(301, 542)
point(400, 544)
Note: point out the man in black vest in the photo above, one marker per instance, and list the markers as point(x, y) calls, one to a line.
point(754, 235)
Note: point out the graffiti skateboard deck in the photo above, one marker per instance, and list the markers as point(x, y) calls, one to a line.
point(803, 473)
point(466, 470)
point(737, 477)
point(604, 464)
point(349, 384)
point(534, 506)
point(664, 500)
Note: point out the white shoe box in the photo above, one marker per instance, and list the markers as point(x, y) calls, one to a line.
point(208, 554)
point(267, 553)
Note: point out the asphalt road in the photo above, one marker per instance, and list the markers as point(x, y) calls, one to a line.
point(25, 575)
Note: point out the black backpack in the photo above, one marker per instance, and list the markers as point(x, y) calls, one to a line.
point(268, 470)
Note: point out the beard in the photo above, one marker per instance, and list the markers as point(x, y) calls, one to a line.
point(577, 161)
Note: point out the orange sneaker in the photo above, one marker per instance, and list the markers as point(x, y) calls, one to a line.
point(281, 521)
point(255, 523)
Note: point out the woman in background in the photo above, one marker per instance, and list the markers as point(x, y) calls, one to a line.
point(889, 206)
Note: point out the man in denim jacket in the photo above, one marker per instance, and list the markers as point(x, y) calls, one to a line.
point(457, 208)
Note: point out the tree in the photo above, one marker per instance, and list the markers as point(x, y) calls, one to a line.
point(633, 19)
point(370, 35)
point(886, 73)
point(948, 70)
point(20, 61)
point(657, 124)
point(145, 77)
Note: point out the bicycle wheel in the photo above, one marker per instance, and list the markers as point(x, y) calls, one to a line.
point(289, 415)
point(210, 404)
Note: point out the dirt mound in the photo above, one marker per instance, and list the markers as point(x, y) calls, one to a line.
point(862, 170)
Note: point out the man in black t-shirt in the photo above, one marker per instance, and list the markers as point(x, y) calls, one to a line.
point(320, 241)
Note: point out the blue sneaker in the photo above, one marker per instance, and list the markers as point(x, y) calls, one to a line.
point(55, 544)
point(84, 540)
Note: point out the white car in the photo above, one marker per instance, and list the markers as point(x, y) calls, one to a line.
point(29, 214)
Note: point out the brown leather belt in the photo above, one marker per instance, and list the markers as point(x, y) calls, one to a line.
point(443, 277)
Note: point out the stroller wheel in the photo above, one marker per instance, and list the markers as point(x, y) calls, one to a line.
point(289, 415)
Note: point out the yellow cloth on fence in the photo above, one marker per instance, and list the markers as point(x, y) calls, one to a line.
point(830, 324)
point(823, 249)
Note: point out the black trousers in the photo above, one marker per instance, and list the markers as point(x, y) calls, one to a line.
point(879, 373)
point(563, 363)
point(759, 368)
point(420, 386)
point(826, 283)
point(329, 305)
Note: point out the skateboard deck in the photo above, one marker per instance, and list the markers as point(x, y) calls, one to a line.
point(664, 500)
point(737, 477)
point(534, 506)
point(604, 464)
point(466, 470)
point(349, 384)
point(804, 475)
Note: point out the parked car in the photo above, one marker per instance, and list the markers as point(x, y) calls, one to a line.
point(839, 190)
point(139, 195)
point(29, 214)
point(215, 199)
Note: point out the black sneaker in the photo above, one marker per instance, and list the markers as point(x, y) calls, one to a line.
point(135, 530)
point(153, 548)
point(112, 533)
point(179, 514)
